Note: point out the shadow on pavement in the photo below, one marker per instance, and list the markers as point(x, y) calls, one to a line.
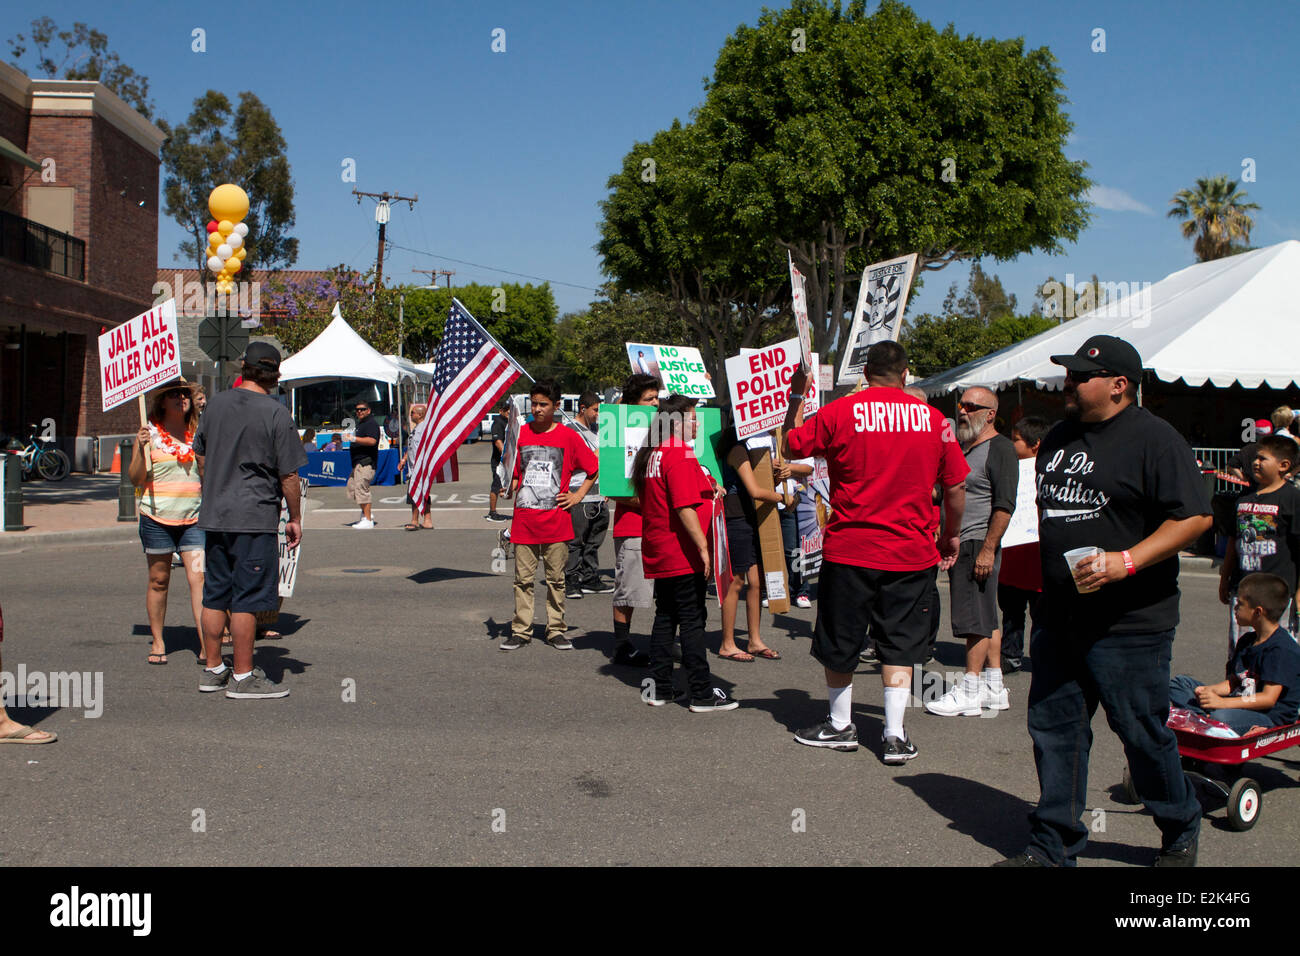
point(434, 575)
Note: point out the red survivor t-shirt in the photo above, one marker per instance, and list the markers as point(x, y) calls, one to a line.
point(542, 470)
point(884, 450)
point(674, 479)
point(627, 520)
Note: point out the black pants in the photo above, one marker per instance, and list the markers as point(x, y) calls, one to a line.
point(590, 523)
point(1014, 603)
point(790, 542)
point(679, 605)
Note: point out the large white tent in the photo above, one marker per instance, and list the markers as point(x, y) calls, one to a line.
point(1230, 320)
point(339, 352)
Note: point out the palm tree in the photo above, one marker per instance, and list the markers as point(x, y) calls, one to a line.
point(1214, 213)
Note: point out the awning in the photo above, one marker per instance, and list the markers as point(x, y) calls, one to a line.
point(9, 151)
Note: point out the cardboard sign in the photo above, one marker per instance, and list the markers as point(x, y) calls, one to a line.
point(1023, 528)
point(138, 354)
point(759, 383)
point(882, 297)
point(288, 557)
point(680, 369)
point(800, 303)
point(623, 429)
point(771, 545)
point(721, 554)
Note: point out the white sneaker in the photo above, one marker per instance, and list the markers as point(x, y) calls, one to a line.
point(956, 703)
point(991, 700)
point(364, 523)
point(801, 600)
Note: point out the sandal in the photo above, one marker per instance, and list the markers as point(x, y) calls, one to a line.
point(163, 658)
point(739, 656)
point(23, 735)
point(767, 654)
point(411, 527)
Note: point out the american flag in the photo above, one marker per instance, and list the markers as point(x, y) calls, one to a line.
point(471, 375)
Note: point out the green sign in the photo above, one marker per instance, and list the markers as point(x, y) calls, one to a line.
point(623, 429)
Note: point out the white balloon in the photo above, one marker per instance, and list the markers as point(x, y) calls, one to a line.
point(215, 264)
point(234, 240)
point(224, 252)
point(241, 229)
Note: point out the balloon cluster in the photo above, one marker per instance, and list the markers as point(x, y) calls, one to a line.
point(227, 234)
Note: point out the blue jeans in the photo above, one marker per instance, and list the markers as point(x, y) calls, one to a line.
point(1128, 674)
point(1182, 693)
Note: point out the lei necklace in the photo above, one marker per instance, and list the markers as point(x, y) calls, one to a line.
point(182, 451)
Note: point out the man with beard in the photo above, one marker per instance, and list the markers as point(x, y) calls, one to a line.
point(973, 580)
point(1113, 477)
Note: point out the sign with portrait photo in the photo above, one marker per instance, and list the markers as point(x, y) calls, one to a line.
point(882, 297)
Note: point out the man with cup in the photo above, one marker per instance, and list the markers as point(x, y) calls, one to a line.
point(1119, 495)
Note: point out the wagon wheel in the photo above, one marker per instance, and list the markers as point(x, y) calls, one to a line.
point(1130, 791)
point(1244, 804)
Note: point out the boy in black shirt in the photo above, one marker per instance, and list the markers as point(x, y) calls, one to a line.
point(1263, 685)
point(1267, 532)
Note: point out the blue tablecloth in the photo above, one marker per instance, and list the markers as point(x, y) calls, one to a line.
point(334, 468)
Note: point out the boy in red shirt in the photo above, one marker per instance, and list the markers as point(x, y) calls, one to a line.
point(541, 527)
point(676, 506)
point(885, 451)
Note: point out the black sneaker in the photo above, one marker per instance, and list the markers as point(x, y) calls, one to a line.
point(869, 656)
point(512, 643)
point(573, 593)
point(1011, 664)
point(597, 587)
point(898, 751)
point(495, 516)
point(629, 656)
point(825, 735)
point(1184, 855)
point(657, 700)
point(1023, 859)
point(560, 643)
point(715, 702)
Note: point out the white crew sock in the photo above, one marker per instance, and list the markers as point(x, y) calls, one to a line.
point(993, 677)
point(217, 670)
point(238, 677)
point(841, 706)
point(970, 684)
point(896, 699)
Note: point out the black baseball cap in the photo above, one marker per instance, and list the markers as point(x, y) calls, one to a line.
point(262, 355)
point(1104, 353)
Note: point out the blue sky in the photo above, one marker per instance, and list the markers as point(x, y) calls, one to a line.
point(509, 152)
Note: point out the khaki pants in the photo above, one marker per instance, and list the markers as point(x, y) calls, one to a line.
point(527, 557)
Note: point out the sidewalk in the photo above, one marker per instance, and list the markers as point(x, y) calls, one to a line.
point(79, 508)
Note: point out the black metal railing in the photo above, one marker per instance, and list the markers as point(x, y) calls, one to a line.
point(42, 247)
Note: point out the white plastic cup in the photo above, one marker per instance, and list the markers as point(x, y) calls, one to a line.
point(1079, 556)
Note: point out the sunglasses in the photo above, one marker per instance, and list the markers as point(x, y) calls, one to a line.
point(972, 407)
point(176, 393)
point(1081, 377)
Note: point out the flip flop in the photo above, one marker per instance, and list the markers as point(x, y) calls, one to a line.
point(411, 527)
point(163, 656)
point(269, 635)
point(739, 657)
point(23, 735)
point(767, 654)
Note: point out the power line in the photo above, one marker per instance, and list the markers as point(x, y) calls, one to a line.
point(479, 265)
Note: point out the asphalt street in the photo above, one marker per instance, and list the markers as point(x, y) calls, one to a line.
point(409, 738)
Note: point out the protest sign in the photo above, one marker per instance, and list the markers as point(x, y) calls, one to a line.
point(288, 556)
point(1023, 528)
point(759, 383)
point(510, 446)
point(800, 303)
point(812, 511)
point(623, 429)
point(882, 298)
point(138, 354)
point(680, 369)
point(721, 554)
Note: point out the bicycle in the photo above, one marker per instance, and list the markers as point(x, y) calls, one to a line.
point(42, 458)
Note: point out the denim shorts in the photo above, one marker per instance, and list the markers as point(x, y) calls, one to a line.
point(159, 538)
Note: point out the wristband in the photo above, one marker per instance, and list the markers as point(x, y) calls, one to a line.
point(796, 398)
point(1129, 566)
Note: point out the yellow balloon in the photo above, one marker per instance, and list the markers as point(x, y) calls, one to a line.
point(225, 228)
point(233, 265)
point(241, 252)
point(216, 240)
point(228, 202)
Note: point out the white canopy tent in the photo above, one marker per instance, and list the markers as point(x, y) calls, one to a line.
point(1230, 320)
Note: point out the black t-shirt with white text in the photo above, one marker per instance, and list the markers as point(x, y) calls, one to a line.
point(1265, 535)
point(1111, 484)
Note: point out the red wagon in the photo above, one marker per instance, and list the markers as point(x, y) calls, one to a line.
point(1202, 754)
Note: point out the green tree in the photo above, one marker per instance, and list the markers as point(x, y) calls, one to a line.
point(1214, 212)
point(936, 343)
point(242, 145)
point(1061, 301)
point(519, 316)
point(849, 138)
point(591, 343)
point(310, 307)
point(984, 298)
point(85, 57)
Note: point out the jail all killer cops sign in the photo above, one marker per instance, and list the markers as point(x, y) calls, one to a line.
point(139, 354)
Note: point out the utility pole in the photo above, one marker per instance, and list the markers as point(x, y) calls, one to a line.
point(381, 217)
point(433, 283)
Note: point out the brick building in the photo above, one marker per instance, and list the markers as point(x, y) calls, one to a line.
point(78, 247)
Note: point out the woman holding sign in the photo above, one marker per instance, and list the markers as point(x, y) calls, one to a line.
point(166, 471)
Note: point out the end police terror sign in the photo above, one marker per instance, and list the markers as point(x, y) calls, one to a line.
point(759, 383)
point(139, 354)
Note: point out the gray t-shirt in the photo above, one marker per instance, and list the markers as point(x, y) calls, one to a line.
point(992, 483)
point(247, 441)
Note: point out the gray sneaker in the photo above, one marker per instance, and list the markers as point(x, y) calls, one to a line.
point(208, 681)
point(255, 686)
